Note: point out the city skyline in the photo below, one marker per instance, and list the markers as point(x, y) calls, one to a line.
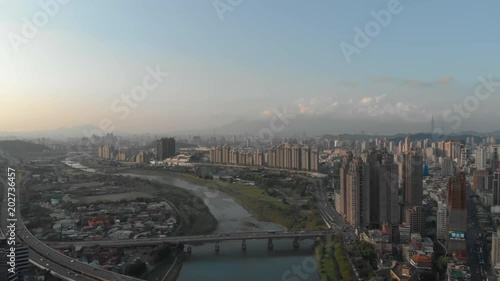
point(241, 67)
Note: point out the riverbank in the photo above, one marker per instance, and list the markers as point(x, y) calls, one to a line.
point(262, 205)
point(196, 217)
point(256, 201)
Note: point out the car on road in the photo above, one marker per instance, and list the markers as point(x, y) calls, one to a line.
point(72, 261)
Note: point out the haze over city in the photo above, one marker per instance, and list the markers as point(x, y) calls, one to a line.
point(233, 68)
point(243, 140)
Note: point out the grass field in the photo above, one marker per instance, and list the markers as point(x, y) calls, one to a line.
point(264, 206)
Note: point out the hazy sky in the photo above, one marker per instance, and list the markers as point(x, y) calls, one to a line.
point(257, 56)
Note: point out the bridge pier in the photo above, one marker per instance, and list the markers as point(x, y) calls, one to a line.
point(243, 245)
point(188, 249)
point(217, 247)
point(270, 244)
point(295, 243)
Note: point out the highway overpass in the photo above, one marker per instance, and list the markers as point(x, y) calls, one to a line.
point(201, 239)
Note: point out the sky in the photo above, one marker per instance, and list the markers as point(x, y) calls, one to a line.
point(69, 63)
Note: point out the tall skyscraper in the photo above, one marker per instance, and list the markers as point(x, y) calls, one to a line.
point(496, 188)
point(481, 158)
point(389, 207)
point(358, 192)
point(412, 189)
point(432, 124)
point(495, 159)
point(407, 145)
point(344, 169)
point(457, 213)
point(480, 180)
point(165, 148)
point(442, 222)
point(373, 164)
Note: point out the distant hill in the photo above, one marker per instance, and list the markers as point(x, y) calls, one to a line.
point(19, 147)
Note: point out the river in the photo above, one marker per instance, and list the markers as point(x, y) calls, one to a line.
point(283, 263)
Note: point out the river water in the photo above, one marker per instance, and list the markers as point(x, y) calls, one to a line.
point(231, 263)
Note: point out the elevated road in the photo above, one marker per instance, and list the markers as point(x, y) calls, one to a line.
point(196, 239)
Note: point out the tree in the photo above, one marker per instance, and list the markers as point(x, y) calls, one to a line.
point(442, 262)
point(136, 269)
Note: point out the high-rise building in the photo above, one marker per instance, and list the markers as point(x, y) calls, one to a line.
point(165, 148)
point(305, 158)
point(496, 188)
point(457, 192)
point(344, 169)
point(412, 178)
point(413, 218)
point(259, 158)
point(372, 158)
point(457, 213)
point(389, 207)
point(451, 149)
point(441, 222)
point(407, 145)
point(314, 161)
point(296, 163)
point(495, 159)
point(226, 149)
point(481, 158)
point(495, 250)
point(480, 180)
point(447, 168)
point(412, 188)
point(106, 151)
point(358, 192)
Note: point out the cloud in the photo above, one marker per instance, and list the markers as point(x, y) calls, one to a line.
point(379, 107)
point(366, 100)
